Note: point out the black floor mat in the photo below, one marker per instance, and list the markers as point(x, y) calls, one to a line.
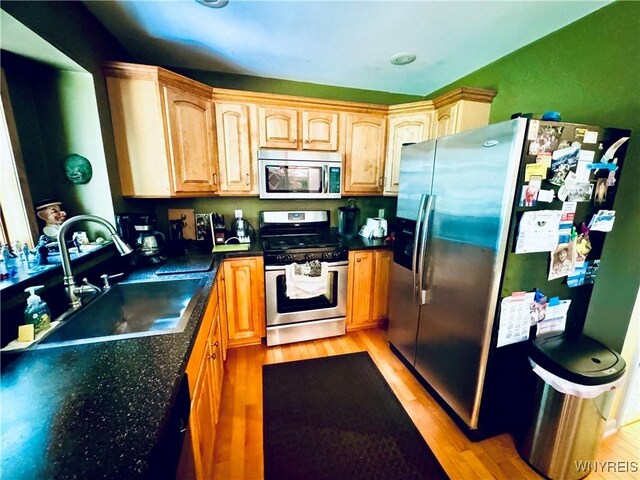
point(337, 418)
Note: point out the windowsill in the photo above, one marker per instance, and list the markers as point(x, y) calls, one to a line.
point(48, 274)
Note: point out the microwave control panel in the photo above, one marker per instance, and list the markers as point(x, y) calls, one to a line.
point(334, 179)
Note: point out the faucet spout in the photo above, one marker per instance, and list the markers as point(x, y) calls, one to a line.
point(74, 293)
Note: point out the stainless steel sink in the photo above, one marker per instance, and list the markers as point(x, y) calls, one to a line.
point(128, 310)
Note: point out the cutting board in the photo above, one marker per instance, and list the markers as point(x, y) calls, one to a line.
point(186, 264)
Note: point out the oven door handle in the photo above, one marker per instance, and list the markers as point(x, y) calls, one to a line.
point(271, 268)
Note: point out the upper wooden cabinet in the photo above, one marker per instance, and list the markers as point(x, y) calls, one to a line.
point(298, 129)
point(409, 125)
point(191, 141)
point(320, 130)
point(364, 154)
point(164, 132)
point(176, 137)
point(237, 157)
point(462, 109)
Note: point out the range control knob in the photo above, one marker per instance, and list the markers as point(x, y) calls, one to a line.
point(336, 255)
point(284, 258)
point(308, 257)
point(327, 255)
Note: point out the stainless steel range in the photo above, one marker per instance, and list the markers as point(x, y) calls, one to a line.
point(305, 276)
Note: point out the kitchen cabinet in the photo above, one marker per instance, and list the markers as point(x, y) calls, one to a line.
point(205, 375)
point(244, 295)
point(411, 125)
point(164, 132)
point(462, 109)
point(364, 154)
point(368, 287)
point(237, 157)
point(296, 129)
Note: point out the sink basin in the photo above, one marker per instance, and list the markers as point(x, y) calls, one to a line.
point(128, 310)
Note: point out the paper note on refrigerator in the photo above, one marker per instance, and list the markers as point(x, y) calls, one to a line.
point(555, 319)
point(538, 231)
point(515, 319)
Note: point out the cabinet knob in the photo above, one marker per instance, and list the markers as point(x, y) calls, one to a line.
point(215, 179)
point(215, 344)
point(293, 140)
point(358, 260)
point(246, 178)
point(380, 181)
point(306, 141)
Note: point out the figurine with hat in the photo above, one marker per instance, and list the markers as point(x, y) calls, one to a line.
point(51, 213)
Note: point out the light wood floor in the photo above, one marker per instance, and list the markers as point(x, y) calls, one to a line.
point(239, 434)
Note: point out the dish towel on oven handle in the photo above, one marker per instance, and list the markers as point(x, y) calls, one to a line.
point(306, 280)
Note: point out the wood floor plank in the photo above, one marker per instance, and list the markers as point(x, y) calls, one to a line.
point(239, 438)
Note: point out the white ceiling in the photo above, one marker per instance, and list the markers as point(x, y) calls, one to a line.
point(341, 43)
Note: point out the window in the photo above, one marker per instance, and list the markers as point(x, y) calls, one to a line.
point(17, 220)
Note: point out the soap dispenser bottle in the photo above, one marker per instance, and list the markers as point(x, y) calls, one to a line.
point(37, 311)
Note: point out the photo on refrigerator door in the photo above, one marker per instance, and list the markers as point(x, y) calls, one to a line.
point(563, 260)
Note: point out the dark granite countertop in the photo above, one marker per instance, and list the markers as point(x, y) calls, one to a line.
point(96, 410)
point(360, 243)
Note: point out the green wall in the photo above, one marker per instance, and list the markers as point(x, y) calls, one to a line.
point(250, 207)
point(589, 71)
point(303, 89)
point(70, 28)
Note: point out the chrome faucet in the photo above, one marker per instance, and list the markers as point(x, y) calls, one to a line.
point(75, 292)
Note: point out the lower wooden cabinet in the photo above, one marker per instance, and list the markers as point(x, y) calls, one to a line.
point(368, 288)
point(205, 374)
point(244, 295)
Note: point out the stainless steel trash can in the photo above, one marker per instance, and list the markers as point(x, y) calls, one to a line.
point(575, 382)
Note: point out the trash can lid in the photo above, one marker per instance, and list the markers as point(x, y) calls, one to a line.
point(580, 360)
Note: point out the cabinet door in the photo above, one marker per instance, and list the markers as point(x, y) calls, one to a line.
point(236, 157)
point(359, 294)
point(244, 287)
point(364, 154)
point(278, 127)
point(217, 367)
point(320, 131)
point(202, 421)
point(447, 120)
point(408, 128)
point(382, 267)
point(189, 120)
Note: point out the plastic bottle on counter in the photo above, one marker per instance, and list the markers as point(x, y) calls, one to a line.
point(37, 311)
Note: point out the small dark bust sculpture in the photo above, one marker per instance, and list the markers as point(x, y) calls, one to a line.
point(78, 169)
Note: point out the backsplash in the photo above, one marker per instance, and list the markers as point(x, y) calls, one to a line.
point(250, 207)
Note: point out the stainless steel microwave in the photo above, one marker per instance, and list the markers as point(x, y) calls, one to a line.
point(299, 174)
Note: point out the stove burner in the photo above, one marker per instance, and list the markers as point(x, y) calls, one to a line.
point(291, 239)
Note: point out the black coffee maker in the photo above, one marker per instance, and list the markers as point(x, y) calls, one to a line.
point(348, 218)
point(139, 231)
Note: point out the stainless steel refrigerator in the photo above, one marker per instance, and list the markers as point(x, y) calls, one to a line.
point(458, 208)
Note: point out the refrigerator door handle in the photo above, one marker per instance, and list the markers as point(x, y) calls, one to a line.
point(423, 248)
point(416, 243)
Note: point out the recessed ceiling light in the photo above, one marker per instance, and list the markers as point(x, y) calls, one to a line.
point(402, 58)
point(213, 3)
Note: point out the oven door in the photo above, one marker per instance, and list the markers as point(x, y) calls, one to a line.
point(282, 310)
